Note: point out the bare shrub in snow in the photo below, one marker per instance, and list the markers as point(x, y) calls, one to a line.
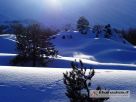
point(33, 45)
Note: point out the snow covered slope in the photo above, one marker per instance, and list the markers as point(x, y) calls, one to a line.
point(7, 48)
point(101, 52)
point(19, 84)
point(88, 48)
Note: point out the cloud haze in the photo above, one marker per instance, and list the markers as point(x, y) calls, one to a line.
point(119, 13)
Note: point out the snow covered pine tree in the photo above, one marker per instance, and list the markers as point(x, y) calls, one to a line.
point(108, 32)
point(83, 25)
point(78, 82)
point(97, 29)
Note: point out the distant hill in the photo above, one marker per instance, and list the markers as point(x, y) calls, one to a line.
point(113, 50)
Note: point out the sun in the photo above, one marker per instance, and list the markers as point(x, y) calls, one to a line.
point(54, 7)
point(54, 3)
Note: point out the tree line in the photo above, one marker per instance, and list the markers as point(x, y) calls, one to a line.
point(130, 35)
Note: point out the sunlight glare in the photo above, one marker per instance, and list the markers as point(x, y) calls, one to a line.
point(54, 3)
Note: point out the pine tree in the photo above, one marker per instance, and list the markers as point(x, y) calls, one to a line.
point(130, 35)
point(83, 25)
point(33, 45)
point(97, 29)
point(78, 83)
point(108, 32)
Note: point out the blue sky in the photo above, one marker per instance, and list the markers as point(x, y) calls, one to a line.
point(119, 13)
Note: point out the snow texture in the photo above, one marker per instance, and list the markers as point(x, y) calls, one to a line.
point(19, 84)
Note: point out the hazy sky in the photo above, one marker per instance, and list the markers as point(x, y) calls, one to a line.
point(119, 13)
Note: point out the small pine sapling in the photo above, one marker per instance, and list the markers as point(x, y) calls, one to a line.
point(78, 82)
